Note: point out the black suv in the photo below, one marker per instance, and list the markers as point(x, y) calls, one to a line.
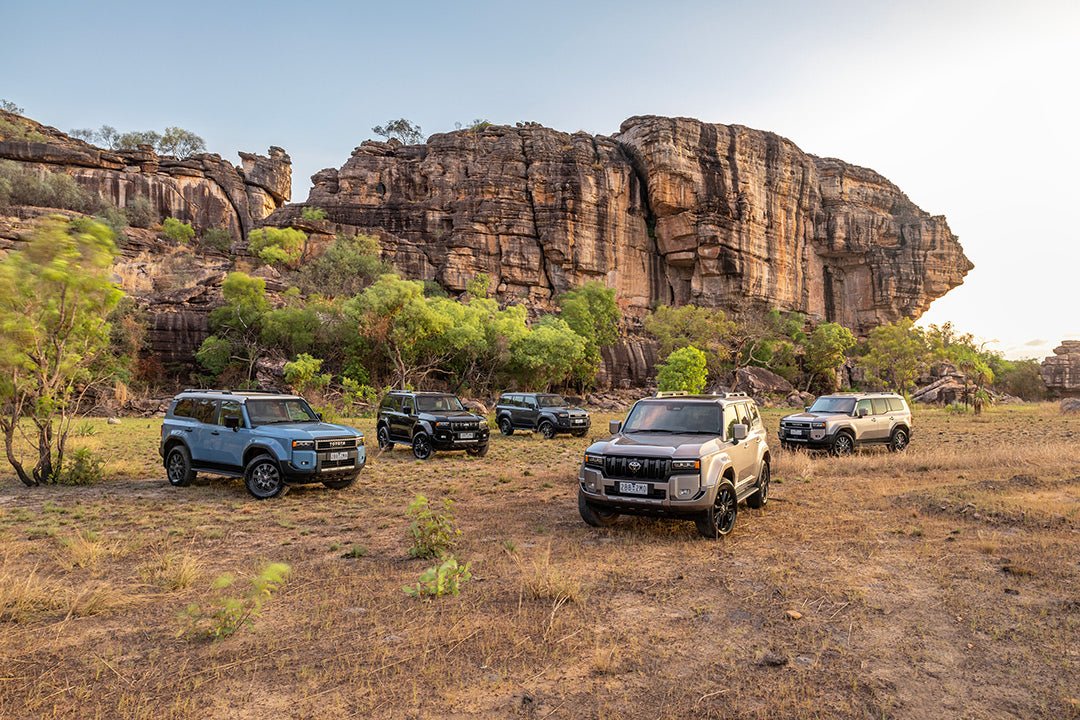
point(543, 412)
point(430, 421)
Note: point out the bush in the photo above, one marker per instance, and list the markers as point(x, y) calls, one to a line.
point(116, 220)
point(303, 373)
point(224, 616)
point(24, 186)
point(218, 239)
point(277, 246)
point(446, 578)
point(433, 533)
point(313, 214)
point(140, 213)
point(683, 370)
point(347, 266)
point(82, 467)
point(178, 231)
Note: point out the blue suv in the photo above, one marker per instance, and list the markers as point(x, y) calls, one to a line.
point(269, 439)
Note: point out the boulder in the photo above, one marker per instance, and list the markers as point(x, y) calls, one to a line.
point(1061, 371)
point(760, 383)
point(1070, 406)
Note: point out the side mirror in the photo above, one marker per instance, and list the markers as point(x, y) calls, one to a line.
point(739, 431)
point(232, 423)
point(614, 426)
point(862, 412)
point(318, 415)
point(807, 408)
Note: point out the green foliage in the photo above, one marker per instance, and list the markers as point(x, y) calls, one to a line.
point(8, 106)
point(478, 286)
point(706, 328)
point(592, 313)
point(214, 354)
point(140, 213)
point(225, 614)
point(355, 552)
point(347, 266)
point(26, 186)
point(218, 239)
point(895, 355)
point(20, 131)
point(408, 133)
point(173, 141)
point(433, 533)
point(475, 126)
point(82, 467)
point(550, 354)
point(236, 326)
point(116, 221)
point(180, 142)
point(685, 369)
point(55, 296)
point(303, 373)
point(446, 578)
point(355, 393)
point(313, 214)
point(277, 246)
point(1022, 378)
point(292, 329)
point(826, 351)
point(177, 231)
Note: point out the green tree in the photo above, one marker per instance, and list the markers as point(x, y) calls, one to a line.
point(54, 339)
point(304, 372)
point(347, 266)
point(684, 369)
point(408, 133)
point(548, 355)
point(236, 326)
point(277, 246)
point(826, 350)
point(8, 106)
point(705, 328)
point(177, 231)
point(180, 142)
point(591, 311)
point(895, 355)
point(313, 214)
point(1022, 378)
point(292, 330)
point(478, 286)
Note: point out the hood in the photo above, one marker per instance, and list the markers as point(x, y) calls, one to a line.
point(463, 415)
point(645, 444)
point(808, 416)
point(316, 431)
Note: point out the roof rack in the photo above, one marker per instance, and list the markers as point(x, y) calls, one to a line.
point(214, 392)
point(727, 395)
point(670, 393)
point(261, 391)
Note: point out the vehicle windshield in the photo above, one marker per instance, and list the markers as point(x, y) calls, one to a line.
point(266, 411)
point(675, 417)
point(551, 400)
point(437, 403)
point(833, 405)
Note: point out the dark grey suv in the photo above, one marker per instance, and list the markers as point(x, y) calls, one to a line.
point(545, 413)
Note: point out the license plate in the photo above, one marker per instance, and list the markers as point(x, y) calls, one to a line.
point(632, 488)
point(338, 456)
point(466, 436)
point(579, 422)
point(795, 432)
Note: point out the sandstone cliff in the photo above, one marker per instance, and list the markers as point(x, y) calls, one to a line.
point(1061, 371)
point(202, 189)
point(669, 210)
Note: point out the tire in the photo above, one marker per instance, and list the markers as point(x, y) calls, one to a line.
point(342, 483)
point(719, 520)
point(761, 498)
point(263, 477)
point(421, 446)
point(580, 433)
point(383, 436)
point(594, 516)
point(899, 440)
point(547, 430)
point(178, 466)
point(478, 451)
point(506, 427)
point(843, 444)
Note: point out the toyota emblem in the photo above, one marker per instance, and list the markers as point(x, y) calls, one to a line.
point(634, 466)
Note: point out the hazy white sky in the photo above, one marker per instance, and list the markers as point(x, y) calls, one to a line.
point(970, 107)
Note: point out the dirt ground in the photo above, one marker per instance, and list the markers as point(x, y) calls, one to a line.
point(940, 583)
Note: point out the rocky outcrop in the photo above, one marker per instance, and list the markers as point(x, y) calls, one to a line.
point(1061, 371)
point(669, 210)
point(202, 189)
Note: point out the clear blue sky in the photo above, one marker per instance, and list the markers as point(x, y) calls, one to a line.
point(970, 107)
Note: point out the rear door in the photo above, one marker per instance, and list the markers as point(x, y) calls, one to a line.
point(530, 410)
point(403, 418)
point(744, 454)
point(881, 419)
point(204, 413)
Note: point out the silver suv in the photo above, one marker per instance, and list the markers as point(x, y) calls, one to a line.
point(686, 456)
point(840, 423)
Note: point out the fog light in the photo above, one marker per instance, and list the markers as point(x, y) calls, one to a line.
point(684, 492)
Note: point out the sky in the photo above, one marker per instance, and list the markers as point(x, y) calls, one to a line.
point(971, 108)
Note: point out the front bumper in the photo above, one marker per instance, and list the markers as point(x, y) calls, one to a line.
point(308, 466)
point(817, 438)
point(677, 495)
point(572, 424)
point(458, 440)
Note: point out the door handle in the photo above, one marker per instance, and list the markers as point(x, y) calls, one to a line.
point(215, 432)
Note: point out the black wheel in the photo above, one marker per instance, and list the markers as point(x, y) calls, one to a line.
point(263, 477)
point(178, 466)
point(385, 443)
point(478, 451)
point(719, 520)
point(843, 444)
point(592, 515)
point(547, 430)
point(580, 433)
point(421, 446)
point(898, 441)
point(341, 483)
point(506, 427)
point(761, 498)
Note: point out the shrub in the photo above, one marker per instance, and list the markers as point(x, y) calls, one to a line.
point(116, 220)
point(446, 578)
point(19, 131)
point(347, 266)
point(140, 213)
point(178, 231)
point(277, 246)
point(355, 552)
point(223, 616)
point(218, 239)
point(313, 214)
point(303, 373)
point(24, 186)
point(683, 370)
point(433, 534)
point(82, 467)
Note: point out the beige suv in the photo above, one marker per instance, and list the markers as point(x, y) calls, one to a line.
point(842, 422)
point(686, 456)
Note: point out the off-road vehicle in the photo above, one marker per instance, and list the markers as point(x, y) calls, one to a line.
point(677, 455)
point(840, 423)
point(545, 413)
point(430, 421)
point(270, 439)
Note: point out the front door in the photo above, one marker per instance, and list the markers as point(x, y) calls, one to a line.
point(402, 422)
point(744, 453)
point(226, 445)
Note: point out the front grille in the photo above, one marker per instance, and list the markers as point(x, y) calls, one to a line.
point(335, 443)
point(797, 425)
point(655, 493)
point(465, 426)
point(647, 468)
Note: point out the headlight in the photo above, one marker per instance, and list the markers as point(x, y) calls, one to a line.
point(684, 465)
point(303, 444)
point(818, 425)
point(360, 441)
point(442, 424)
point(562, 414)
point(594, 460)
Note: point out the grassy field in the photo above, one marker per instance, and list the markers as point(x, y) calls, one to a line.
point(941, 583)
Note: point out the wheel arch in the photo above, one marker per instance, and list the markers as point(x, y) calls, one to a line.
point(171, 443)
point(251, 452)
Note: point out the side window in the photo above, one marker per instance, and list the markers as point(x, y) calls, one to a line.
point(731, 419)
point(864, 404)
point(387, 404)
point(896, 404)
point(184, 408)
point(881, 406)
point(755, 418)
point(230, 409)
point(407, 406)
point(744, 416)
point(205, 411)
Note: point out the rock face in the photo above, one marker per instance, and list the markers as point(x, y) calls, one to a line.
point(1061, 371)
point(669, 210)
point(203, 189)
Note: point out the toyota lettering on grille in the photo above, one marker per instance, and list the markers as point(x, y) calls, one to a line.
point(338, 443)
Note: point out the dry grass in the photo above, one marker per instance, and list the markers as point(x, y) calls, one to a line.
point(937, 583)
